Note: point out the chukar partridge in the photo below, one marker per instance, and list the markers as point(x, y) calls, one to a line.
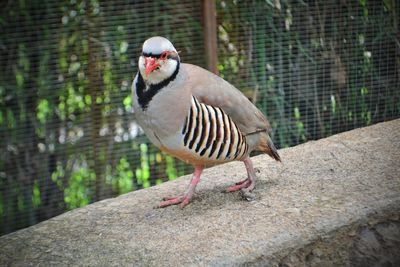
point(196, 116)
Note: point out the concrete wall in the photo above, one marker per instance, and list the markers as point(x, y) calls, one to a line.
point(332, 202)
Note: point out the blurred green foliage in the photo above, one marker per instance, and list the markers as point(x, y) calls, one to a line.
point(67, 131)
point(68, 134)
point(318, 68)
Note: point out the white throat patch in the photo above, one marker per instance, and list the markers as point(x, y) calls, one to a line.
point(166, 69)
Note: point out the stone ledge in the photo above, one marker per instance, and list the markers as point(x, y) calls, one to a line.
point(334, 201)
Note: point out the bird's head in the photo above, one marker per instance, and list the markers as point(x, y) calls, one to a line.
point(159, 60)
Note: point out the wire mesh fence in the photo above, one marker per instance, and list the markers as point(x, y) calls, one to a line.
point(316, 68)
point(68, 135)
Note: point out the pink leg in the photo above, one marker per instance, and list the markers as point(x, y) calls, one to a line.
point(185, 199)
point(247, 184)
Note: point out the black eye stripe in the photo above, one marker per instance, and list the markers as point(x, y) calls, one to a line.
point(158, 56)
point(151, 55)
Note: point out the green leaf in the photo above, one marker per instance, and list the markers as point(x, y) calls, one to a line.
point(43, 110)
point(296, 113)
point(10, 119)
point(36, 195)
point(127, 101)
point(123, 47)
point(19, 79)
point(333, 104)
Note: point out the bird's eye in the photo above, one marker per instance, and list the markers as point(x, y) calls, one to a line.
point(164, 55)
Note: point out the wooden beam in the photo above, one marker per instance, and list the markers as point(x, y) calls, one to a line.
point(210, 35)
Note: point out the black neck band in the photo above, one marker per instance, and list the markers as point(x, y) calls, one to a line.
point(145, 96)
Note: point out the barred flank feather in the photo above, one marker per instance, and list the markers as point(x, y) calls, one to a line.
point(209, 132)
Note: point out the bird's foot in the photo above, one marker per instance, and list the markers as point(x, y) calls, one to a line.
point(247, 183)
point(184, 199)
point(169, 201)
point(245, 187)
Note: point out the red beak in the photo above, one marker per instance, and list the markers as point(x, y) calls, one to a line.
point(150, 64)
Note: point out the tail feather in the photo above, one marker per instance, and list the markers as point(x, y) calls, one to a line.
point(273, 151)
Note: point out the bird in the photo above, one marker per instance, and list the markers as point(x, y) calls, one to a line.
point(196, 116)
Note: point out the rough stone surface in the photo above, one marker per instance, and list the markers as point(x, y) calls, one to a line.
point(332, 202)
